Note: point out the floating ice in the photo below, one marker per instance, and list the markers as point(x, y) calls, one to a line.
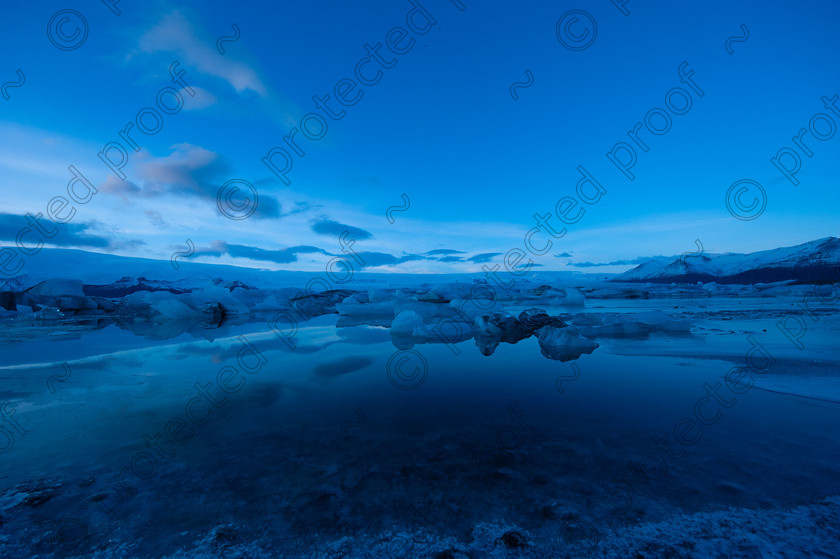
point(563, 344)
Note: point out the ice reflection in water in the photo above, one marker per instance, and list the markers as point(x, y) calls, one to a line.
point(316, 444)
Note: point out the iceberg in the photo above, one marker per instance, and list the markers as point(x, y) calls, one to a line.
point(563, 344)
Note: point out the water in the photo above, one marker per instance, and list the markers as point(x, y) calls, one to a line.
point(320, 443)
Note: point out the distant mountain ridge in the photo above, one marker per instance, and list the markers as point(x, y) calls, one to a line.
point(812, 262)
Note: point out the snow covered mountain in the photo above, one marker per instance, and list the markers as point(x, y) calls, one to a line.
point(815, 261)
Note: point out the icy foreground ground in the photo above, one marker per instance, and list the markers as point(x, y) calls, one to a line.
point(445, 419)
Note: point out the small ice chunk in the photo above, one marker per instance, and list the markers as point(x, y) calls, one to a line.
point(563, 344)
point(406, 323)
point(574, 298)
point(488, 335)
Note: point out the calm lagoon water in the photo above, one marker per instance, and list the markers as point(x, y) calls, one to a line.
point(320, 443)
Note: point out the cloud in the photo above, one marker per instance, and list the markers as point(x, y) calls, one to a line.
point(268, 208)
point(289, 255)
point(65, 235)
point(200, 100)
point(443, 251)
point(283, 256)
point(301, 207)
point(189, 171)
point(485, 257)
point(563, 255)
point(175, 34)
point(118, 187)
point(411, 258)
point(360, 260)
point(335, 229)
point(373, 259)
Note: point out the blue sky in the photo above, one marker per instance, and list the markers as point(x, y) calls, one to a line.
point(440, 126)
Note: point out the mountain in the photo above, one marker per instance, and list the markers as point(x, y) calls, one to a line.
point(813, 262)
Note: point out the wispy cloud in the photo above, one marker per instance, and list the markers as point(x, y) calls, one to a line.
point(484, 257)
point(363, 259)
point(174, 33)
point(189, 171)
point(200, 99)
point(283, 256)
point(79, 235)
point(443, 251)
point(335, 229)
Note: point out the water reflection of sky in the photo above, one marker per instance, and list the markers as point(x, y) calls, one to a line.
point(328, 408)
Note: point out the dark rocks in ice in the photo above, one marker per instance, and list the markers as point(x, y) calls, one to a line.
point(534, 319)
point(545, 290)
point(500, 326)
point(7, 300)
point(318, 304)
point(213, 313)
point(231, 285)
point(557, 340)
point(126, 286)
